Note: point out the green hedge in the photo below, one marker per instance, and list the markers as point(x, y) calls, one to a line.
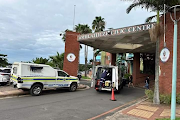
point(167, 119)
point(126, 76)
point(164, 98)
point(83, 77)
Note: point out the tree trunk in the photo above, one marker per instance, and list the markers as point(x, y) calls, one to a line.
point(85, 60)
point(156, 88)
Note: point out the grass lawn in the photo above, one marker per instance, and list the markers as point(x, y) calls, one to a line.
point(83, 77)
point(167, 119)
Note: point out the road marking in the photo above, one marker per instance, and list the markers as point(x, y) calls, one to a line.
point(105, 113)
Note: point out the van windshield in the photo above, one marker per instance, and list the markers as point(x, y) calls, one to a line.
point(5, 70)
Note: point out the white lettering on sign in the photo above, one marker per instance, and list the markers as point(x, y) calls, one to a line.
point(139, 28)
point(119, 31)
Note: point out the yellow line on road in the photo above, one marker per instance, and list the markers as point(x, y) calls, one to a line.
point(93, 118)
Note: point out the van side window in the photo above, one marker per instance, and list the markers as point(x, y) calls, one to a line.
point(15, 70)
point(62, 74)
point(36, 69)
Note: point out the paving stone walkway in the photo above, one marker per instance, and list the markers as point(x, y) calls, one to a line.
point(144, 111)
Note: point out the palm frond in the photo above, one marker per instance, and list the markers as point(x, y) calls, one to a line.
point(133, 6)
point(149, 19)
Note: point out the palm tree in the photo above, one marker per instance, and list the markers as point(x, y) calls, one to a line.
point(64, 35)
point(98, 24)
point(156, 6)
point(84, 29)
point(40, 60)
point(57, 60)
point(3, 60)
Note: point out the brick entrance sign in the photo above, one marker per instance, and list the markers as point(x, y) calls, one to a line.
point(71, 55)
point(165, 77)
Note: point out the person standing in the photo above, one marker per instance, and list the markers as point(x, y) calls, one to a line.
point(130, 81)
point(147, 83)
point(103, 77)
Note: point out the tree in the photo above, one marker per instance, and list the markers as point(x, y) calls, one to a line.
point(64, 35)
point(98, 24)
point(155, 6)
point(40, 60)
point(84, 29)
point(3, 60)
point(57, 60)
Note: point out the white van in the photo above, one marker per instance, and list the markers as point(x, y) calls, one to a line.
point(110, 76)
point(35, 77)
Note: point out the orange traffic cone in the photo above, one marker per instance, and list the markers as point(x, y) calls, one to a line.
point(112, 95)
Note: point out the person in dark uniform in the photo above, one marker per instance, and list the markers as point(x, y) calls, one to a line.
point(130, 81)
point(147, 83)
point(103, 77)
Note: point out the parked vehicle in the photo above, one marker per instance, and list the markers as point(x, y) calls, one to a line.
point(36, 77)
point(111, 78)
point(5, 75)
point(79, 76)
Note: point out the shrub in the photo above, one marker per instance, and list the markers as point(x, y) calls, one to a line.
point(167, 119)
point(149, 94)
point(178, 98)
point(126, 76)
point(166, 99)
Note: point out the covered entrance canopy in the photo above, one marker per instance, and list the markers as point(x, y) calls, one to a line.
point(132, 39)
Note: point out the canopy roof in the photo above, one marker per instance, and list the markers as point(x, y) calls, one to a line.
point(132, 39)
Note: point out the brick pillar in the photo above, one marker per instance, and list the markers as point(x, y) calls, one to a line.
point(113, 58)
point(165, 77)
point(136, 68)
point(71, 46)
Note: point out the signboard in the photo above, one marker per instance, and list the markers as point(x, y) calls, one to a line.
point(71, 57)
point(125, 30)
point(164, 55)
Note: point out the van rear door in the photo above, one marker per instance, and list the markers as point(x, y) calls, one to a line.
point(15, 70)
point(115, 76)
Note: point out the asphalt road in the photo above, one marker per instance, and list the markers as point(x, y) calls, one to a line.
point(64, 105)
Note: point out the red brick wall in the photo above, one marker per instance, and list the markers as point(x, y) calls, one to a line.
point(71, 46)
point(165, 78)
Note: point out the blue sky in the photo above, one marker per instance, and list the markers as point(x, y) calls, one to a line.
point(31, 28)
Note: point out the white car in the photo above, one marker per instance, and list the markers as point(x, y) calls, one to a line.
point(5, 75)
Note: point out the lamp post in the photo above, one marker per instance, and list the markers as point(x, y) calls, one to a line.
point(174, 9)
point(74, 17)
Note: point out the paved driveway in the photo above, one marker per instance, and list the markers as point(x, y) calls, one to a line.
point(64, 105)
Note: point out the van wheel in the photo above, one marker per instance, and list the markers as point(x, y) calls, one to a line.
point(36, 90)
point(73, 87)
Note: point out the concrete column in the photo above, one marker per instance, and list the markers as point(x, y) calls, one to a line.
point(113, 59)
